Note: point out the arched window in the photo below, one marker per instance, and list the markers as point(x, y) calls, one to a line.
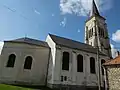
point(102, 61)
point(92, 65)
point(65, 61)
point(11, 60)
point(92, 31)
point(89, 33)
point(79, 63)
point(99, 31)
point(28, 62)
point(102, 32)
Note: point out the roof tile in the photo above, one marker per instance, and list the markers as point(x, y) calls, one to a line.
point(114, 61)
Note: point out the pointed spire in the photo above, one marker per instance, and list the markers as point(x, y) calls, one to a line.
point(94, 10)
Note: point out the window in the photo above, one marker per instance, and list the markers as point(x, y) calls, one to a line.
point(65, 78)
point(28, 62)
point(92, 65)
point(101, 32)
point(92, 31)
point(11, 60)
point(61, 78)
point(79, 63)
point(89, 34)
point(65, 61)
point(102, 61)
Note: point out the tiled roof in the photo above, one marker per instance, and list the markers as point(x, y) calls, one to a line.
point(114, 61)
point(73, 44)
point(29, 41)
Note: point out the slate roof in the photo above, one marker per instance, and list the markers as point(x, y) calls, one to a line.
point(30, 41)
point(94, 9)
point(115, 61)
point(94, 12)
point(73, 44)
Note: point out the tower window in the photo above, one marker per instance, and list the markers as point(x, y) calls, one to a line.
point(11, 60)
point(92, 65)
point(101, 32)
point(89, 33)
point(65, 61)
point(28, 62)
point(79, 63)
point(92, 31)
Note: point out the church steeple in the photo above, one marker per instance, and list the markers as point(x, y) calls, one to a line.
point(96, 33)
point(94, 10)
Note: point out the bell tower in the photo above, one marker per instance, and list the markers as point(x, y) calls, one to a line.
point(96, 33)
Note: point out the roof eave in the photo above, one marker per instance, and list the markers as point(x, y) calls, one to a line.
point(111, 64)
point(27, 43)
point(94, 16)
point(78, 49)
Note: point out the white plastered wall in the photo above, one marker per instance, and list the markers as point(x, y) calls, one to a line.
point(17, 74)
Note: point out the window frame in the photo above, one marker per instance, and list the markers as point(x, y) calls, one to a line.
point(27, 63)
point(64, 66)
point(80, 63)
point(92, 65)
point(10, 62)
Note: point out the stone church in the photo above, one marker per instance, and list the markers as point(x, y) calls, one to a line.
point(59, 62)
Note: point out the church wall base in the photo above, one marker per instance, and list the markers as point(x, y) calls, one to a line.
point(72, 87)
point(22, 83)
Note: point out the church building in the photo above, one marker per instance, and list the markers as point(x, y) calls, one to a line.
point(59, 62)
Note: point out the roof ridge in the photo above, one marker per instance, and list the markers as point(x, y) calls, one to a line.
point(70, 39)
point(29, 41)
point(26, 38)
point(73, 44)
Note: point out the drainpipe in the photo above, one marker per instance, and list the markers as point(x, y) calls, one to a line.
point(99, 78)
point(105, 76)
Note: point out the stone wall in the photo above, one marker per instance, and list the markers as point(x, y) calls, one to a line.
point(113, 76)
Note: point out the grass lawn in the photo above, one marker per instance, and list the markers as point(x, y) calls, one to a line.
point(10, 87)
